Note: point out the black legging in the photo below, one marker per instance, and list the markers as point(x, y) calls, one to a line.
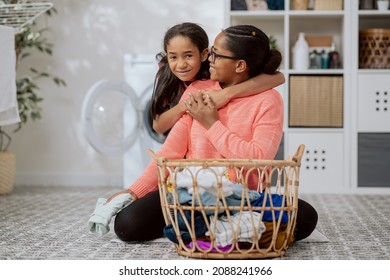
point(143, 220)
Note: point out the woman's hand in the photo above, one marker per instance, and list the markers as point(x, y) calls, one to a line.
point(219, 98)
point(119, 193)
point(202, 108)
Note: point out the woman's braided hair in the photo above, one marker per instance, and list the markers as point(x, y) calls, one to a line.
point(249, 43)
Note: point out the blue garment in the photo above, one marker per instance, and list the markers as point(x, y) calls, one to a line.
point(235, 198)
point(209, 199)
point(277, 201)
point(200, 227)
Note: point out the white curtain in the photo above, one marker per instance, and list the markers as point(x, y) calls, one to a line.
point(9, 113)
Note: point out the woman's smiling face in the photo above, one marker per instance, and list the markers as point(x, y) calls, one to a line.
point(222, 63)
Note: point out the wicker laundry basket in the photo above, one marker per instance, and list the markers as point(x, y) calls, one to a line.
point(264, 229)
point(329, 5)
point(300, 4)
point(374, 48)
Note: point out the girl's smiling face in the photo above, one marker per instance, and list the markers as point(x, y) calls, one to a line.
point(184, 58)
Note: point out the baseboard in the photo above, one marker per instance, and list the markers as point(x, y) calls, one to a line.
point(68, 180)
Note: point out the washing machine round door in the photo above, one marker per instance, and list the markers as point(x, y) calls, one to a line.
point(103, 117)
point(146, 103)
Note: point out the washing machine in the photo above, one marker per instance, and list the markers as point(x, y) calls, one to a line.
point(115, 116)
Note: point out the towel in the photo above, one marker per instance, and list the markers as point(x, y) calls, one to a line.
point(243, 226)
point(101, 217)
point(206, 180)
point(9, 112)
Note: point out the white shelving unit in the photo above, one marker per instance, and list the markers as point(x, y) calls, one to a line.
point(370, 111)
point(330, 164)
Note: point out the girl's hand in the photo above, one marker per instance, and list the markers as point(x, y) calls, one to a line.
point(202, 108)
point(219, 98)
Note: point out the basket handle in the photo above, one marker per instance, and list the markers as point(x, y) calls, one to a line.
point(152, 154)
point(298, 154)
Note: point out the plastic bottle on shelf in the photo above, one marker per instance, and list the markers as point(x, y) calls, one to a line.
point(301, 53)
point(318, 60)
point(310, 4)
point(366, 4)
point(334, 58)
point(324, 60)
point(313, 59)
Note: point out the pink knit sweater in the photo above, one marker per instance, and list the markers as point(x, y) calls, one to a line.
point(248, 128)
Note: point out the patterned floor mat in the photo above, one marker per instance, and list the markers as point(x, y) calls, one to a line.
point(49, 223)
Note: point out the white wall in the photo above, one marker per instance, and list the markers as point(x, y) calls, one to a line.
point(90, 38)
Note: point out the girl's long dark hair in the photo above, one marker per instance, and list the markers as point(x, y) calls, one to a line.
point(168, 89)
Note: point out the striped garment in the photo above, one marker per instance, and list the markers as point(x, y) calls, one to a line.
point(248, 128)
point(242, 227)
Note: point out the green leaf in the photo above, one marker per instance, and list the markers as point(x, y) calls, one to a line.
point(44, 74)
point(59, 81)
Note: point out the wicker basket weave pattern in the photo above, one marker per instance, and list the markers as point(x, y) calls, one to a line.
point(328, 5)
point(269, 227)
point(374, 49)
point(7, 172)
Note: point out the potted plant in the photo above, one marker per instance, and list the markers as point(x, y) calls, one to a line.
point(28, 99)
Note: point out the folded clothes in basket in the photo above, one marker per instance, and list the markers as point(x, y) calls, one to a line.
point(210, 199)
point(240, 226)
point(205, 246)
point(206, 180)
point(184, 230)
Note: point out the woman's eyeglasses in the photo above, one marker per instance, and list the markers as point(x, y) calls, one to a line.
point(214, 56)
